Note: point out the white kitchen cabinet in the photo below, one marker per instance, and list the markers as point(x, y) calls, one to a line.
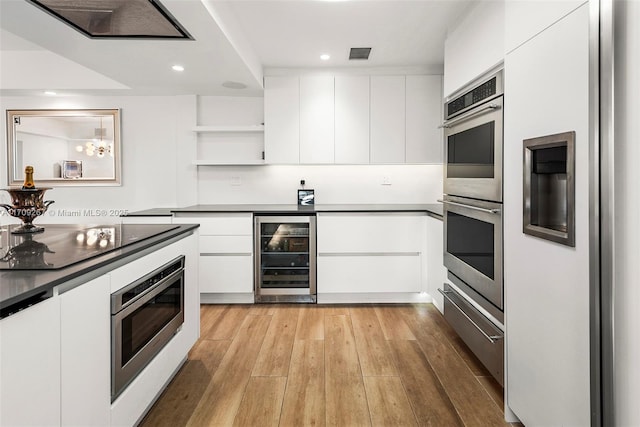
point(85, 320)
point(30, 366)
point(547, 294)
point(424, 139)
point(475, 46)
point(230, 145)
point(352, 119)
point(387, 126)
point(316, 119)
point(368, 253)
point(282, 119)
point(226, 252)
point(436, 271)
point(526, 18)
point(362, 273)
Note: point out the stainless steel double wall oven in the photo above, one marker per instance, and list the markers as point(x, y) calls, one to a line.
point(473, 242)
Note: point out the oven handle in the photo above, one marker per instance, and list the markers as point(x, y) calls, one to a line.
point(475, 208)
point(491, 338)
point(447, 124)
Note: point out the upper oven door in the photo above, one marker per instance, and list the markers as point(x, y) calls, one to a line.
point(473, 245)
point(473, 153)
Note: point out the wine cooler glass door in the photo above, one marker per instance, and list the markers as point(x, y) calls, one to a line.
point(285, 264)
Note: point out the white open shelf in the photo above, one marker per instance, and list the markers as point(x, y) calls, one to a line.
point(229, 145)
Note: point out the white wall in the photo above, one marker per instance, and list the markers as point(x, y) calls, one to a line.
point(627, 214)
point(149, 158)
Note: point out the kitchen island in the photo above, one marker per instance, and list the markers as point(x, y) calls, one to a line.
point(56, 343)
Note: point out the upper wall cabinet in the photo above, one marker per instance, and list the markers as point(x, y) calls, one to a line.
point(282, 120)
point(316, 119)
point(424, 139)
point(475, 46)
point(387, 119)
point(353, 119)
point(524, 19)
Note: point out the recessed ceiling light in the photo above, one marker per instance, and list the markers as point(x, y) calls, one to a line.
point(50, 92)
point(177, 68)
point(325, 57)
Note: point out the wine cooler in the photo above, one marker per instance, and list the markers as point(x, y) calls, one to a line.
point(285, 259)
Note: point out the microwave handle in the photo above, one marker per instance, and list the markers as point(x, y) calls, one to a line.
point(449, 123)
point(475, 208)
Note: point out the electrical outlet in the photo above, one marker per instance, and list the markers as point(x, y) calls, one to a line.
point(386, 180)
point(236, 180)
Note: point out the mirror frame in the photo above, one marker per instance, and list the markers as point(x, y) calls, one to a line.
point(60, 182)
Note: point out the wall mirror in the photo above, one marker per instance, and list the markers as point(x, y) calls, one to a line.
point(65, 147)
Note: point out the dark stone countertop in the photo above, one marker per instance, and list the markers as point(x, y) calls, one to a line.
point(32, 266)
point(432, 208)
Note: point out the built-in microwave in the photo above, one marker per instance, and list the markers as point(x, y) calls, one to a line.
point(473, 245)
point(145, 315)
point(473, 141)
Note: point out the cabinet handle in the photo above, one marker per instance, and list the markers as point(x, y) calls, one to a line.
point(475, 208)
point(492, 338)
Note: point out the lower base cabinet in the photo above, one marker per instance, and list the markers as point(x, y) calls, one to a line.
point(436, 271)
point(371, 253)
point(30, 366)
point(369, 273)
point(85, 345)
point(220, 273)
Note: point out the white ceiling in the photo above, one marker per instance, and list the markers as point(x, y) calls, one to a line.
point(235, 40)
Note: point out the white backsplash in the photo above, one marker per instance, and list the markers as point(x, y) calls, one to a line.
point(332, 183)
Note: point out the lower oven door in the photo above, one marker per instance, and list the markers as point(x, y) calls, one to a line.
point(141, 329)
point(473, 245)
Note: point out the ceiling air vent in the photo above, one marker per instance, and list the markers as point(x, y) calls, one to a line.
point(359, 53)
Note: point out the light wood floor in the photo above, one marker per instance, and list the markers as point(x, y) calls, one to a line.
point(299, 365)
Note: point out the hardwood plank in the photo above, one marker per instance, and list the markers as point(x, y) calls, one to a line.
point(179, 400)
point(275, 353)
point(310, 323)
point(429, 400)
point(209, 314)
point(346, 402)
point(373, 350)
point(494, 389)
point(471, 400)
point(261, 402)
point(465, 352)
point(335, 310)
point(226, 324)
point(388, 402)
point(221, 399)
point(393, 324)
point(304, 399)
point(341, 355)
point(264, 309)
